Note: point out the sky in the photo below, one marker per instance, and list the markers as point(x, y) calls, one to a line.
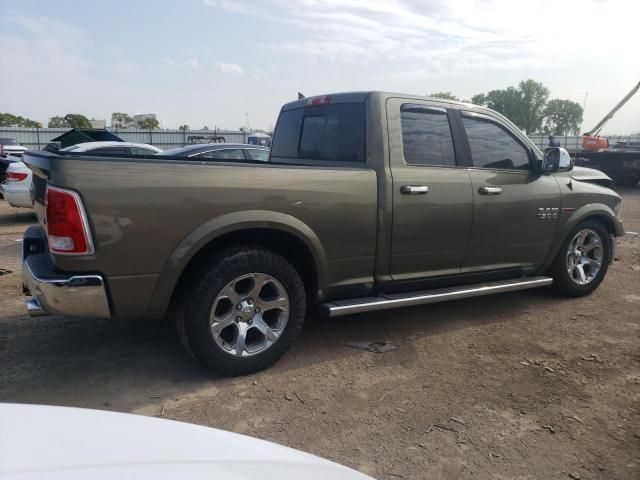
point(231, 63)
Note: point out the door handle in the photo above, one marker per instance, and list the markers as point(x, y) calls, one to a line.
point(414, 189)
point(490, 190)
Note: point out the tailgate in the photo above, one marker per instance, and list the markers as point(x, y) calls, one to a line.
point(40, 165)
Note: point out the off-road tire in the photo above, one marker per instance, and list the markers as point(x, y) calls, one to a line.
point(199, 291)
point(562, 282)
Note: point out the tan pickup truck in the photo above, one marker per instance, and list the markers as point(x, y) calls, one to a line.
point(368, 201)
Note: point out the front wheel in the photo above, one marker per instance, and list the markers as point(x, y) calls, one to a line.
point(241, 310)
point(583, 260)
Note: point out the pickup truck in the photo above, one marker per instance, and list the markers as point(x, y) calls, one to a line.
point(369, 201)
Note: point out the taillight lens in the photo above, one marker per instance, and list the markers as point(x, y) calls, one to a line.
point(15, 176)
point(67, 228)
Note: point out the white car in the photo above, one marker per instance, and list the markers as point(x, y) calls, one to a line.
point(113, 148)
point(16, 187)
point(72, 443)
point(10, 146)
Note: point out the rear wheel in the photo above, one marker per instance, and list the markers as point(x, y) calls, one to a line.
point(583, 260)
point(241, 310)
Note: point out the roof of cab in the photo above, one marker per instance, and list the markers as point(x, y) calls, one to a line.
point(359, 97)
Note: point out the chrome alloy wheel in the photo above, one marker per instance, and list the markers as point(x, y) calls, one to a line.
point(249, 314)
point(585, 256)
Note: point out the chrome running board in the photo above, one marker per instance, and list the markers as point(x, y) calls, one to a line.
point(338, 308)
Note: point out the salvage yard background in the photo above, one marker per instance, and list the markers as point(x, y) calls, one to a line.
point(522, 385)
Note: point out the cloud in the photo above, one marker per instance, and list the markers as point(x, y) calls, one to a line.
point(457, 36)
point(229, 68)
point(186, 64)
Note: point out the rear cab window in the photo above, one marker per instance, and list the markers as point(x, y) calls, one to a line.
point(332, 133)
point(426, 136)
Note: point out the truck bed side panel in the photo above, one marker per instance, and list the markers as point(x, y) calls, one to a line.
point(140, 211)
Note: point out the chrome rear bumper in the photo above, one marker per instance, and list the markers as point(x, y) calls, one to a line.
point(58, 294)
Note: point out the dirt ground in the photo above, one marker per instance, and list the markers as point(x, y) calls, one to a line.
point(517, 386)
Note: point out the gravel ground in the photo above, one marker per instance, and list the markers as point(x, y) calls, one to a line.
point(521, 385)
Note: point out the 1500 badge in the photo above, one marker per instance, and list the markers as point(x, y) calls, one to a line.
point(548, 213)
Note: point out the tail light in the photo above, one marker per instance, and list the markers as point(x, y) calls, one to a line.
point(66, 221)
point(15, 176)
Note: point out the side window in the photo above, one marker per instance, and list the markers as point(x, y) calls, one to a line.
point(492, 147)
point(287, 133)
point(334, 132)
point(426, 136)
point(223, 154)
point(110, 150)
point(141, 151)
point(259, 154)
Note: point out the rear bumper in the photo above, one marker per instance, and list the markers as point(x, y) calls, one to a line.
point(55, 293)
point(16, 195)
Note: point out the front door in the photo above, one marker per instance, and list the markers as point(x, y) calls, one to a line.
point(515, 208)
point(432, 198)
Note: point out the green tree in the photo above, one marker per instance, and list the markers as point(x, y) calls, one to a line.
point(534, 98)
point(445, 96)
point(149, 123)
point(10, 120)
point(523, 105)
point(58, 122)
point(184, 127)
point(479, 99)
point(121, 120)
point(562, 117)
point(76, 120)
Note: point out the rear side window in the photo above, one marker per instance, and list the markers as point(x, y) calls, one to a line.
point(110, 151)
point(259, 155)
point(142, 151)
point(327, 132)
point(492, 147)
point(223, 154)
point(426, 136)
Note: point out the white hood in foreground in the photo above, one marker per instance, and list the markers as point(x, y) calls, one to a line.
point(73, 443)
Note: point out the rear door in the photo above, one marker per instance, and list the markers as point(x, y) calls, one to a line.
point(508, 196)
point(432, 198)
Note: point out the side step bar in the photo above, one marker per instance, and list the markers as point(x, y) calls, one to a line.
point(387, 301)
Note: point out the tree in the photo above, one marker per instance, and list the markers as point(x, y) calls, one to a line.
point(10, 120)
point(534, 98)
point(58, 122)
point(70, 120)
point(562, 117)
point(508, 102)
point(76, 120)
point(523, 105)
point(149, 123)
point(445, 96)
point(184, 127)
point(121, 120)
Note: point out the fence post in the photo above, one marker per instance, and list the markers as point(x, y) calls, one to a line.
point(38, 136)
point(150, 137)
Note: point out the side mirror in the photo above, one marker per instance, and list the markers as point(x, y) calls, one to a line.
point(556, 160)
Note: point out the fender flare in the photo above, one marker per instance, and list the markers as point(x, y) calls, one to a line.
point(591, 210)
point(190, 245)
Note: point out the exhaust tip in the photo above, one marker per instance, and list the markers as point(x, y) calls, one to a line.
point(35, 309)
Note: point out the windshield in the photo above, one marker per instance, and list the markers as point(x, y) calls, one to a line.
point(9, 141)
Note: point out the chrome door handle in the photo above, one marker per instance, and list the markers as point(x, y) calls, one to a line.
point(490, 190)
point(414, 189)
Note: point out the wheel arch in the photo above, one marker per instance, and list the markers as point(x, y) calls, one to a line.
point(286, 235)
point(600, 212)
